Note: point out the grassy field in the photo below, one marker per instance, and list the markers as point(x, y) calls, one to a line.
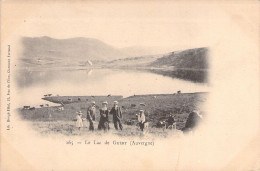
point(68, 128)
point(157, 108)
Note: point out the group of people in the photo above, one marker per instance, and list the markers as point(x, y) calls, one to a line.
point(193, 119)
point(104, 121)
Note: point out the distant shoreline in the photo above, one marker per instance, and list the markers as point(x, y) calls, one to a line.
point(75, 99)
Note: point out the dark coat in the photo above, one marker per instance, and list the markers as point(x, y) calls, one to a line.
point(117, 113)
point(103, 115)
point(192, 121)
point(91, 114)
point(170, 120)
point(104, 121)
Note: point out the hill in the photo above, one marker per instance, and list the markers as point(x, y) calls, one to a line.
point(131, 62)
point(74, 48)
point(46, 52)
point(189, 59)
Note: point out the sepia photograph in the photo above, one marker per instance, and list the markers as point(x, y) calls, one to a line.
point(85, 86)
point(130, 85)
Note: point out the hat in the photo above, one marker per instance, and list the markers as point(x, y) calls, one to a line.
point(141, 110)
point(196, 111)
point(93, 102)
point(115, 102)
point(105, 102)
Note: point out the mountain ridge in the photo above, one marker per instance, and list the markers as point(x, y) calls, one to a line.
point(46, 52)
point(195, 58)
point(80, 48)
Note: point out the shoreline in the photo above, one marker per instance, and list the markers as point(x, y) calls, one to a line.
point(75, 99)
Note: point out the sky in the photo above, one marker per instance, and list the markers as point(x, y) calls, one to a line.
point(170, 24)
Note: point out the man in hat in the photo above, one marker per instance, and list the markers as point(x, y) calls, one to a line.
point(141, 119)
point(117, 115)
point(91, 115)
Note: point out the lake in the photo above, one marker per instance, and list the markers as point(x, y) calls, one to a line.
point(32, 85)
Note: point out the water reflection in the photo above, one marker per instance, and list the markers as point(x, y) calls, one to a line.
point(200, 76)
point(32, 85)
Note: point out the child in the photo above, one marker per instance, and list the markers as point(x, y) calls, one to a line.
point(79, 122)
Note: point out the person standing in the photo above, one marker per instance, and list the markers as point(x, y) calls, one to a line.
point(79, 123)
point(117, 116)
point(170, 122)
point(91, 115)
point(104, 121)
point(141, 119)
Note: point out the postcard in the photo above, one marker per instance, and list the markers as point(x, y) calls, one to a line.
point(129, 85)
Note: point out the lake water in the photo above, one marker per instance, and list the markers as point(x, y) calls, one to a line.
point(32, 85)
